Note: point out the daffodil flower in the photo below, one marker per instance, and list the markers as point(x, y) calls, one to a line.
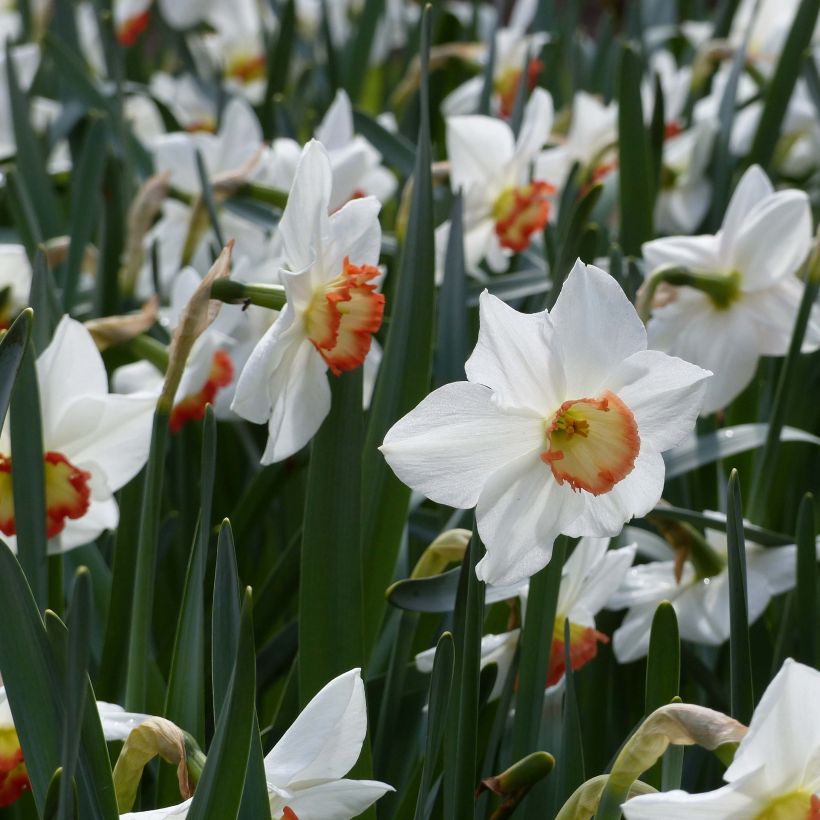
point(305, 770)
point(93, 442)
point(504, 206)
point(332, 309)
point(701, 602)
point(775, 774)
point(559, 429)
point(746, 296)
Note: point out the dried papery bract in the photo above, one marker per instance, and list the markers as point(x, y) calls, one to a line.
point(198, 314)
point(108, 331)
point(583, 803)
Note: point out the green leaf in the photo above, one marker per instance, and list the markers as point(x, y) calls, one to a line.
point(634, 175)
point(780, 89)
point(434, 594)
point(441, 681)
point(12, 349)
point(807, 582)
point(536, 649)
point(225, 616)
point(404, 373)
point(717, 521)
point(740, 658)
point(43, 301)
point(396, 150)
point(663, 658)
point(279, 55)
point(360, 46)
point(570, 766)
point(461, 737)
point(139, 636)
point(331, 621)
point(219, 792)
point(451, 336)
point(28, 477)
point(86, 182)
point(728, 441)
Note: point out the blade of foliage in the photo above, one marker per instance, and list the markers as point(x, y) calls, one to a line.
point(441, 681)
point(360, 46)
point(740, 660)
point(635, 185)
point(570, 766)
point(43, 301)
point(13, 345)
point(405, 373)
point(219, 792)
point(782, 84)
point(331, 622)
point(807, 582)
point(719, 522)
point(434, 594)
point(279, 56)
point(397, 151)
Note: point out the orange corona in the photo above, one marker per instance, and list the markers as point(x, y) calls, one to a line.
point(132, 28)
point(520, 212)
point(506, 86)
point(192, 406)
point(13, 774)
point(583, 647)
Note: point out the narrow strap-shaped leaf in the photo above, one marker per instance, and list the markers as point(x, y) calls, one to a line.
point(12, 349)
point(485, 100)
point(43, 300)
point(279, 54)
point(460, 747)
point(396, 150)
point(570, 762)
point(225, 616)
point(405, 373)
point(360, 46)
point(28, 477)
point(437, 705)
point(634, 177)
point(331, 621)
point(807, 582)
point(143, 601)
point(536, 649)
point(781, 87)
point(758, 535)
point(219, 792)
point(740, 658)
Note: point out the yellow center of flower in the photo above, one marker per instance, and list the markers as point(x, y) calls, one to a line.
point(797, 805)
point(507, 82)
point(520, 212)
point(343, 315)
point(192, 406)
point(68, 493)
point(13, 774)
point(592, 443)
point(583, 647)
point(247, 68)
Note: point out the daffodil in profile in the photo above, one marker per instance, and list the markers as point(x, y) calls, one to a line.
point(775, 774)
point(559, 428)
point(333, 308)
point(94, 442)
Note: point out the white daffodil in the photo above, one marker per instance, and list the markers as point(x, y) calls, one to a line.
point(116, 724)
point(305, 770)
point(559, 429)
point(701, 601)
point(15, 282)
point(504, 206)
point(332, 310)
point(746, 295)
point(94, 442)
point(775, 774)
point(185, 98)
point(588, 579)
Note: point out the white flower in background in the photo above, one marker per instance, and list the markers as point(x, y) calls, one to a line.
point(185, 98)
point(559, 429)
point(15, 282)
point(512, 46)
point(504, 206)
point(592, 142)
point(775, 774)
point(332, 310)
point(305, 770)
point(701, 603)
point(588, 579)
point(94, 442)
point(356, 164)
point(751, 263)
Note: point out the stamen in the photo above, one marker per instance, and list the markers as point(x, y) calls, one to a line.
point(192, 406)
point(520, 212)
point(344, 315)
point(592, 443)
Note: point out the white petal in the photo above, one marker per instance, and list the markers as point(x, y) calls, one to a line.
point(536, 126)
point(450, 444)
point(777, 565)
point(355, 232)
point(664, 394)
point(722, 804)
point(698, 253)
point(325, 739)
point(513, 357)
point(101, 516)
point(240, 137)
point(477, 146)
point(519, 513)
point(463, 99)
point(703, 611)
point(350, 164)
point(773, 241)
point(336, 127)
point(116, 722)
point(169, 813)
point(600, 583)
point(783, 742)
point(753, 188)
point(635, 495)
point(305, 219)
point(597, 328)
point(649, 583)
point(630, 640)
point(338, 800)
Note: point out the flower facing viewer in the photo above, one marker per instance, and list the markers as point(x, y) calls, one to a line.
point(559, 428)
point(332, 309)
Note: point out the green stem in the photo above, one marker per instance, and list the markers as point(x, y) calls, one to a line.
point(272, 297)
point(150, 349)
point(721, 288)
